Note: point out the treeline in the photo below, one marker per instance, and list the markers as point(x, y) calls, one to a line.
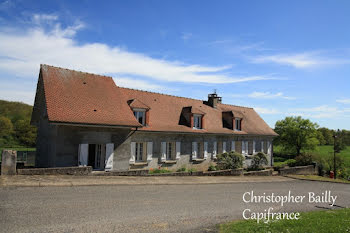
point(15, 128)
point(326, 136)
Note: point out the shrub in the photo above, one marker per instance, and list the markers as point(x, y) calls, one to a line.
point(183, 169)
point(291, 162)
point(212, 167)
point(258, 161)
point(277, 159)
point(231, 160)
point(303, 159)
point(162, 170)
point(192, 170)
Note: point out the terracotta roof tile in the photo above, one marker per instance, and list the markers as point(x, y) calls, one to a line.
point(78, 97)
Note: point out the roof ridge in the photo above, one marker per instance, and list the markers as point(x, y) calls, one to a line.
point(153, 92)
point(58, 67)
point(237, 106)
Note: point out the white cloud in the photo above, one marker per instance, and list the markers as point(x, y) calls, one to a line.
point(137, 84)
point(344, 101)
point(268, 95)
point(44, 18)
point(23, 50)
point(300, 60)
point(266, 110)
point(186, 36)
point(323, 111)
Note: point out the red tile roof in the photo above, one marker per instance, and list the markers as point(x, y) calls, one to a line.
point(73, 97)
point(78, 97)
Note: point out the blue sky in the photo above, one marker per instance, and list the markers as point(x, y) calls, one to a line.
point(282, 58)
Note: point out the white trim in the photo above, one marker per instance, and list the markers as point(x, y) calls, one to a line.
point(223, 147)
point(109, 156)
point(233, 146)
point(215, 146)
point(163, 151)
point(178, 150)
point(83, 154)
point(205, 150)
point(132, 152)
point(149, 151)
point(194, 150)
point(254, 147)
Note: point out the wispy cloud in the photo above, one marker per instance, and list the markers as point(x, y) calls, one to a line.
point(268, 95)
point(323, 111)
point(343, 101)
point(137, 84)
point(186, 36)
point(301, 60)
point(267, 111)
point(22, 50)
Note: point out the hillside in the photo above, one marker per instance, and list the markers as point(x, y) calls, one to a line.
point(15, 128)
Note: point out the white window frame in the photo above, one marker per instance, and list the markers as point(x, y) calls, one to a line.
point(240, 124)
point(139, 151)
point(197, 121)
point(138, 112)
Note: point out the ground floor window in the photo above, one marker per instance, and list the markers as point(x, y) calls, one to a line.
point(170, 150)
point(138, 151)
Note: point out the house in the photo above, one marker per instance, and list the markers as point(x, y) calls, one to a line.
point(85, 119)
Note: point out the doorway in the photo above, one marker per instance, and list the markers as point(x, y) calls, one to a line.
point(97, 156)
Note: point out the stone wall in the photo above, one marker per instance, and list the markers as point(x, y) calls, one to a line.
point(259, 173)
point(301, 170)
point(80, 171)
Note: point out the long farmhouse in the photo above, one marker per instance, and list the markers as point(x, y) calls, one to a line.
point(85, 119)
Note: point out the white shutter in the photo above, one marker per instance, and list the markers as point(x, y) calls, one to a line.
point(215, 145)
point(262, 146)
point(253, 147)
point(223, 147)
point(109, 156)
point(149, 151)
point(178, 150)
point(83, 154)
point(233, 146)
point(194, 150)
point(132, 149)
point(269, 148)
point(205, 150)
point(243, 147)
point(246, 147)
point(163, 151)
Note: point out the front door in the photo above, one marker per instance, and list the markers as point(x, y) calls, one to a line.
point(100, 151)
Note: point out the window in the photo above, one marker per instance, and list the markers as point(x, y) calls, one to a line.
point(140, 116)
point(197, 121)
point(238, 124)
point(169, 150)
point(138, 151)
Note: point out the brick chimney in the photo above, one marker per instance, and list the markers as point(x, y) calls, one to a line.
point(213, 100)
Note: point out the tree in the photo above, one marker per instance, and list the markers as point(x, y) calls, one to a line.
point(327, 136)
point(6, 127)
point(296, 134)
point(25, 133)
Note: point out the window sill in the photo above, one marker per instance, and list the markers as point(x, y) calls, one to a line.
point(169, 161)
point(139, 163)
point(198, 160)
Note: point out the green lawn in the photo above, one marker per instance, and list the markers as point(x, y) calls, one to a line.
point(317, 221)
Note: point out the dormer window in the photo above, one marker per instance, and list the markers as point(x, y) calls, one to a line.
point(238, 124)
point(197, 121)
point(140, 115)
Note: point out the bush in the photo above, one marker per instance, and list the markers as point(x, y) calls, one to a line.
point(231, 160)
point(291, 162)
point(212, 167)
point(258, 161)
point(183, 169)
point(277, 159)
point(192, 170)
point(162, 170)
point(303, 159)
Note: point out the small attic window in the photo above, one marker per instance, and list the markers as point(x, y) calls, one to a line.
point(238, 124)
point(84, 82)
point(197, 121)
point(140, 115)
point(95, 110)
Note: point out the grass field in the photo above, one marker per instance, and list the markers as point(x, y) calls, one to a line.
point(317, 221)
